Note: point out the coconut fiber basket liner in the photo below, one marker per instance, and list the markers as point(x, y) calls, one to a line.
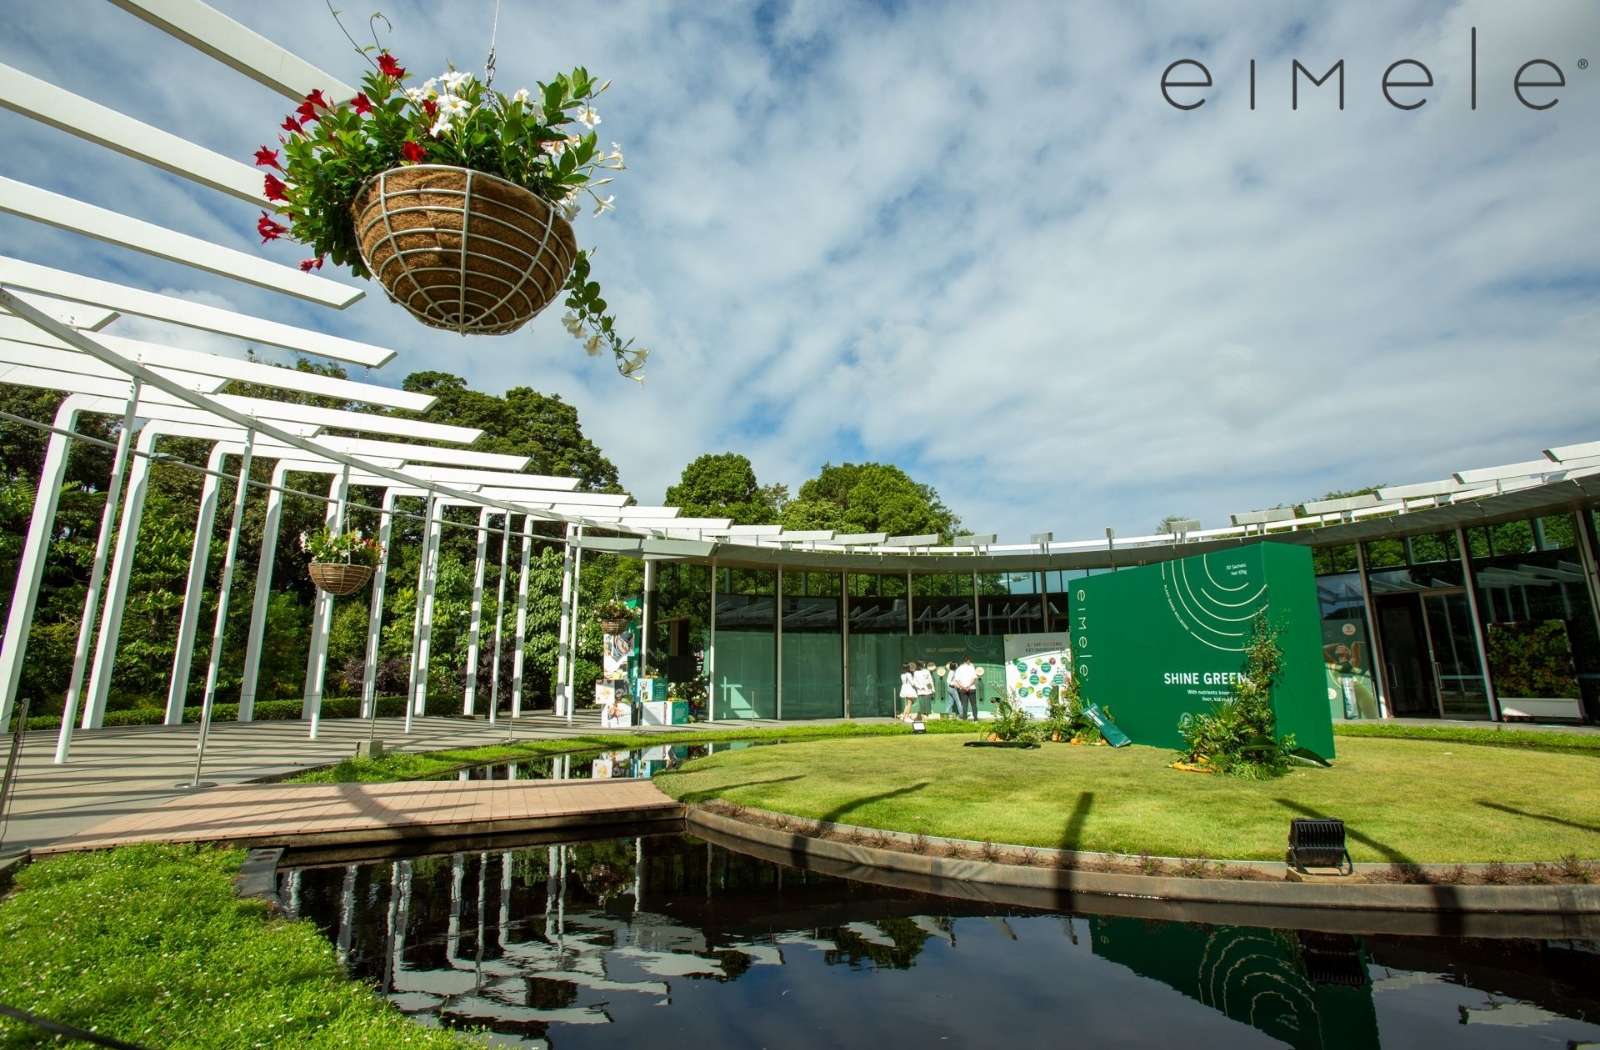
point(613, 626)
point(462, 250)
point(338, 578)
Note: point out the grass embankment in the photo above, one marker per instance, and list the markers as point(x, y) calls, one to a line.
point(149, 944)
point(1402, 801)
point(1487, 736)
point(407, 765)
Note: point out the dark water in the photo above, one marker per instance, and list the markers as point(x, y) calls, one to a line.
point(639, 762)
point(670, 941)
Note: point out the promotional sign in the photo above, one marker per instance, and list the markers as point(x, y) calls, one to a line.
point(1152, 643)
point(1036, 666)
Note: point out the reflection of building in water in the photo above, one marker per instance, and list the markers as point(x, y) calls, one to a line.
point(1309, 991)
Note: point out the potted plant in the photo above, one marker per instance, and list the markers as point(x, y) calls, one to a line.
point(456, 197)
point(614, 615)
point(341, 562)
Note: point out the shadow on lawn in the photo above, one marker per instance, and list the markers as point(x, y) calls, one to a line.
point(1072, 834)
point(837, 813)
point(1503, 808)
point(720, 790)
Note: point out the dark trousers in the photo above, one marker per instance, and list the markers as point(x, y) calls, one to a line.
point(969, 703)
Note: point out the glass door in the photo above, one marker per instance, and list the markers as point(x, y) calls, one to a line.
point(1412, 683)
point(1457, 671)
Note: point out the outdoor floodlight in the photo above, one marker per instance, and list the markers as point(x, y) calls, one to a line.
point(1318, 844)
point(919, 726)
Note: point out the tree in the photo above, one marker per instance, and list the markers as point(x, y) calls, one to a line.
point(723, 485)
point(1166, 524)
point(869, 497)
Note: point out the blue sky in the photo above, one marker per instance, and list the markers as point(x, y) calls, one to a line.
point(974, 240)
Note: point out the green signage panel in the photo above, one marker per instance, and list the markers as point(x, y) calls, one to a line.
point(1155, 642)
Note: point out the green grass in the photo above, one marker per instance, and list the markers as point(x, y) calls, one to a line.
point(1402, 800)
point(149, 944)
point(406, 765)
point(1488, 736)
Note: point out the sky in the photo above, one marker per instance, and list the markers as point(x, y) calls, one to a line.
point(973, 239)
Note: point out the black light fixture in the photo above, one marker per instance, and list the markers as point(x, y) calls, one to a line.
point(919, 726)
point(1318, 843)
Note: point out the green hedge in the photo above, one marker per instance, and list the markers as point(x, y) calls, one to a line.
point(266, 711)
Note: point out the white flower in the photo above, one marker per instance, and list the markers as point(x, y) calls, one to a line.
point(569, 206)
point(603, 205)
point(634, 362)
point(521, 96)
point(591, 345)
point(440, 126)
point(452, 105)
point(430, 87)
point(416, 94)
point(613, 160)
point(573, 324)
point(556, 148)
point(453, 80)
point(588, 117)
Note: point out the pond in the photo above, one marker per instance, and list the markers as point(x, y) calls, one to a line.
point(670, 941)
point(592, 765)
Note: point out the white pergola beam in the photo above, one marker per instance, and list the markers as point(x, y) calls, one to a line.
point(31, 277)
point(502, 479)
point(78, 315)
point(413, 453)
point(75, 216)
point(51, 379)
point(1583, 450)
point(213, 33)
point(529, 496)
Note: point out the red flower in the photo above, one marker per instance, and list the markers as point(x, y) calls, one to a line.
point(412, 152)
point(267, 158)
point(316, 99)
point(389, 67)
point(307, 112)
point(307, 265)
point(430, 107)
point(269, 228)
point(273, 188)
point(362, 103)
point(291, 125)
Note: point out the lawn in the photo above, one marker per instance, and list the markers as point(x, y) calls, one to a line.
point(1402, 800)
point(150, 945)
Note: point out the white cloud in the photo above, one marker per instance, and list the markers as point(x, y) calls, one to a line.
point(984, 247)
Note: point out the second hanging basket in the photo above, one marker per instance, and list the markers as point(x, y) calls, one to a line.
point(339, 578)
point(462, 250)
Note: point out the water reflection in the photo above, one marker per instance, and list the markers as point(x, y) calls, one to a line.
point(597, 765)
point(682, 943)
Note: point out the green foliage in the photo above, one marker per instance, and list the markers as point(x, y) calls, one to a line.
point(150, 944)
point(1067, 720)
point(1014, 725)
point(724, 485)
point(1532, 659)
point(869, 497)
point(351, 548)
point(1554, 740)
point(614, 609)
point(1239, 735)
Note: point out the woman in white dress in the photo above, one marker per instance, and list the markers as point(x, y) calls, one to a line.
point(923, 679)
point(908, 689)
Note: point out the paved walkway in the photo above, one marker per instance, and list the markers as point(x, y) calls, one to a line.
point(328, 814)
point(132, 769)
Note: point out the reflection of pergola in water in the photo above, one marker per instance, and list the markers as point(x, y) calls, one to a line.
point(58, 332)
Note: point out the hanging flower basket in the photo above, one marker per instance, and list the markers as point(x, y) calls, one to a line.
point(461, 249)
point(339, 578)
point(614, 626)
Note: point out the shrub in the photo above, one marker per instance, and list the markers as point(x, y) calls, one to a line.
point(1239, 736)
point(1067, 720)
point(1013, 724)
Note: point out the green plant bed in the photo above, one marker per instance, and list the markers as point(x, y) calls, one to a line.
point(1488, 736)
point(1025, 745)
point(149, 944)
point(1402, 801)
point(266, 711)
point(405, 765)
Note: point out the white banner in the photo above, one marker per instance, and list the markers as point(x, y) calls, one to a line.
point(1036, 663)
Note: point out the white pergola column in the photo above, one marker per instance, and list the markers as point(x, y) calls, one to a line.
point(30, 568)
point(431, 578)
point(105, 650)
point(263, 594)
point(91, 599)
point(644, 626)
point(416, 610)
point(711, 651)
point(199, 556)
point(563, 651)
point(499, 618)
point(570, 690)
point(380, 580)
point(521, 636)
point(469, 697)
point(225, 587)
point(322, 610)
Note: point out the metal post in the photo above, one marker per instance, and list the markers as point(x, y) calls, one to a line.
point(644, 627)
point(1589, 560)
point(521, 636)
point(1471, 580)
point(322, 625)
point(469, 696)
point(844, 639)
point(208, 699)
point(910, 621)
point(263, 594)
point(499, 617)
point(711, 651)
point(199, 560)
point(91, 599)
point(1380, 669)
point(563, 652)
point(577, 600)
point(778, 621)
point(380, 583)
point(425, 642)
point(977, 614)
point(105, 650)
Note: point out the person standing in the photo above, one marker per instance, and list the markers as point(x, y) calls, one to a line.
point(952, 695)
point(924, 682)
point(908, 689)
point(966, 685)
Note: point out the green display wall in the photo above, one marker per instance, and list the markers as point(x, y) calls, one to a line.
point(1158, 641)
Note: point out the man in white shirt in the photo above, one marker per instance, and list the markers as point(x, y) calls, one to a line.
point(965, 680)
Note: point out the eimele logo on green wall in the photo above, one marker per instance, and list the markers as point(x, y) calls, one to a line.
point(1155, 642)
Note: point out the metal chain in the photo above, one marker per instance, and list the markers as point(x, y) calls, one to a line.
point(488, 63)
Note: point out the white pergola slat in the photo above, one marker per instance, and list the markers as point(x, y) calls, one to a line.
point(78, 315)
point(1563, 453)
point(60, 284)
point(76, 115)
point(213, 33)
point(414, 453)
point(77, 216)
